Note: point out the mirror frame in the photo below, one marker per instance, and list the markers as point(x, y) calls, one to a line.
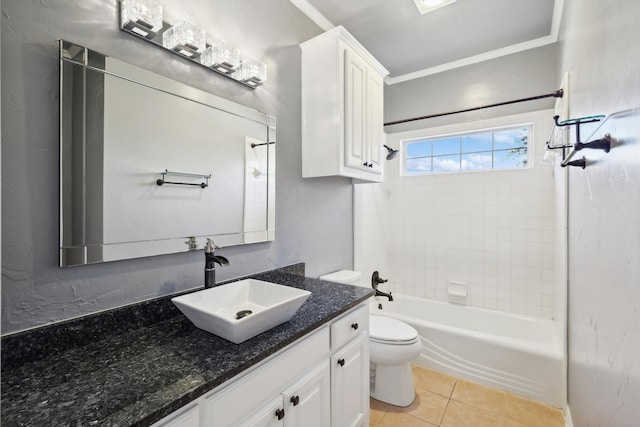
point(75, 250)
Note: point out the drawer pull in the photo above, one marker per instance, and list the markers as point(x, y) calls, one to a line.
point(295, 400)
point(354, 326)
point(280, 414)
point(341, 362)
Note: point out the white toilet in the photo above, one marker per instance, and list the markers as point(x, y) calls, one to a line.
point(392, 346)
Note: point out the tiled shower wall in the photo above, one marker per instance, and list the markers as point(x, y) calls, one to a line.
point(495, 230)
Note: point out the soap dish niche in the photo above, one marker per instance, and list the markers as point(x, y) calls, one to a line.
point(457, 292)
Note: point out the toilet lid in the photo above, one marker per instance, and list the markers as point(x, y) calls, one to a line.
point(383, 328)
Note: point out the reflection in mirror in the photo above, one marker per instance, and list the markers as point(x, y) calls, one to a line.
point(123, 129)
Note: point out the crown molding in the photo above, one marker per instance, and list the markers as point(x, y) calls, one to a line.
point(558, 6)
point(313, 14)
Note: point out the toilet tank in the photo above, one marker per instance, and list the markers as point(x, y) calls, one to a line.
point(349, 277)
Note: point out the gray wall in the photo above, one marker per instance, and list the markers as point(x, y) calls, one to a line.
point(515, 76)
point(599, 46)
point(313, 219)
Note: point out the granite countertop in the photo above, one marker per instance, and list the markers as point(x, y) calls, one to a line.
point(135, 365)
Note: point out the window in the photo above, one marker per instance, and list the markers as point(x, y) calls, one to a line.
point(498, 148)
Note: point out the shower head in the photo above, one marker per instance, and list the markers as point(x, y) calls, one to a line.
point(392, 153)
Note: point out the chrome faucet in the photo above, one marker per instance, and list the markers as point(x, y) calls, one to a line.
point(210, 260)
point(375, 281)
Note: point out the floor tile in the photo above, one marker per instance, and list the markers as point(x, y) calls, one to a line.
point(402, 419)
point(461, 415)
point(446, 401)
point(479, 396)
point(434, 381)
point(512, 423)
point(530, 413)
point(427, 406)
point(379, 405)
point(378, 409)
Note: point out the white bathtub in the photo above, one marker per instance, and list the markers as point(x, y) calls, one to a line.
point(519, 354)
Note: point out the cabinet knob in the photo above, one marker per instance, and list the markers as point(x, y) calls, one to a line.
point(370, 165)
point(295, 400)
point(354, 326)
point(280, 413)
point(365, 164)
point(341, 362)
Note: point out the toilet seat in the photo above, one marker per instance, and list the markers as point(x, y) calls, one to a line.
point(386, 330)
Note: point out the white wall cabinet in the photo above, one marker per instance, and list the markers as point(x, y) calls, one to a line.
point(320, 381)
point(342, 108)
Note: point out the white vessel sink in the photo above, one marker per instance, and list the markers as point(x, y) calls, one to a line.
point(222, 310)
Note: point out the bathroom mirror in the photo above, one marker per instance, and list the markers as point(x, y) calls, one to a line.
point(151, 166)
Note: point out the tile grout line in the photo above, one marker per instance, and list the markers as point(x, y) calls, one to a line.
point(455, 383)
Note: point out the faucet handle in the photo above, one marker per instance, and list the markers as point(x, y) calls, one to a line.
point(376, 280)
point(210, 246)
point(192, 242)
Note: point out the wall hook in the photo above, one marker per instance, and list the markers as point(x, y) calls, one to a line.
point(582, 163)
point(598, 144)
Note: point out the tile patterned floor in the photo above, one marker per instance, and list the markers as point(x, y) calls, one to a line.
point(446, 401)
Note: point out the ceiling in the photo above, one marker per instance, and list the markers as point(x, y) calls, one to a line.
point(412, 45)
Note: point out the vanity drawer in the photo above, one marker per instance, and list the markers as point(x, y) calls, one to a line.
point(349, 326)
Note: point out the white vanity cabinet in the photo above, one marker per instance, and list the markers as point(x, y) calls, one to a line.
point(309, 402)
point(306, 404)
point(350, 369)
point(189, 416)
point(320, 381)
point(272, 415)
point(238, 403)
point(342, 108)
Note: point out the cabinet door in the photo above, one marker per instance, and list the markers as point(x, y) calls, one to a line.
point(271, 415)
point(350, 384)
point(374, 120)
point(308, 403)
point(188, 417)
point(355, 78)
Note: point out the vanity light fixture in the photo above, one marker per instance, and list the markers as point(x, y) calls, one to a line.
point(252, 72)
point(185, 38)
point(425, 6)
point(143, 18)
point(221, 56)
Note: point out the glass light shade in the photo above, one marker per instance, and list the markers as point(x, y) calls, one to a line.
point(185, 38)
point(253, 72)
point(425, 6)
point(143, 17)
point(221, 56)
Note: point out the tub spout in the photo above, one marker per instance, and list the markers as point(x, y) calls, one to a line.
point(384, 294)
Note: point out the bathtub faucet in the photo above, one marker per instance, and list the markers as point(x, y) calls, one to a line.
point(375, 281)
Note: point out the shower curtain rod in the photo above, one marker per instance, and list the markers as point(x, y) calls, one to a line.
point(557, 94)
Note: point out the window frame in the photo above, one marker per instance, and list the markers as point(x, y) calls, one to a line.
point(468, 130)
